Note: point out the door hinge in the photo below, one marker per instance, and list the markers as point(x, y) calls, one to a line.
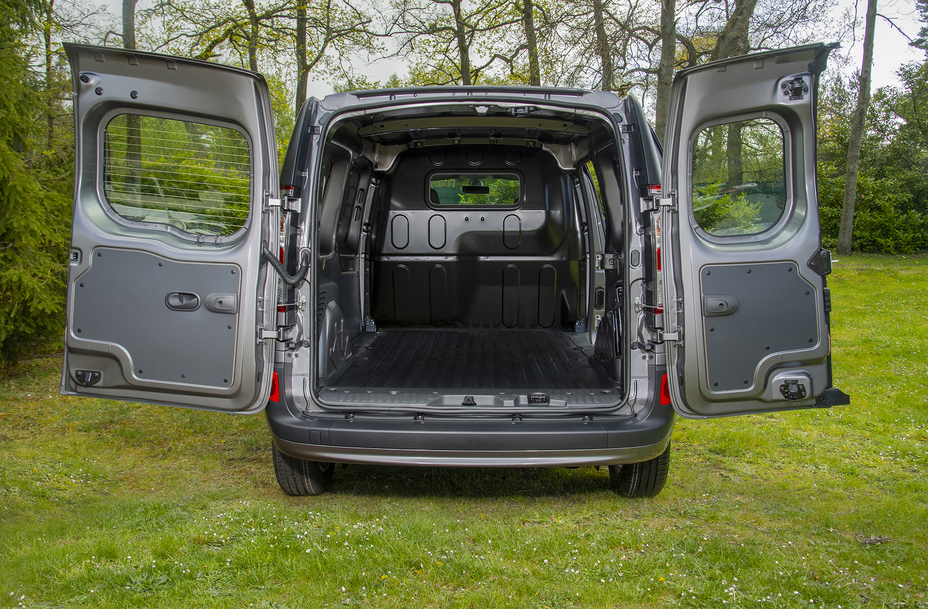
point(663, 337)
point(284, 203)
point(661, 203)
point(283, 334)
point(669, 202)
point(607, 262)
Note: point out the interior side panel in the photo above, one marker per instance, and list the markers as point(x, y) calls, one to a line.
point(190, 314)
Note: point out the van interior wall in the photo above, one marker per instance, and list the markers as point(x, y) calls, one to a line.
point(476, 267)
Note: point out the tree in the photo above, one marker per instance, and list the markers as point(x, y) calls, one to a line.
point(128, 24)
point(33, 212)
point(133, 128)
point(331, 25)
point(442, 38)
point(666, 64)
point(609, 44)
point(845, 233)
point(891, 206)
point(531, 41)
point(290, 39)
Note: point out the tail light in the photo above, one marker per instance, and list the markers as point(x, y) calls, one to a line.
point(665, 390)
point(275, 389)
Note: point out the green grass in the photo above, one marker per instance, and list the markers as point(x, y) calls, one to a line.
point(112, 504)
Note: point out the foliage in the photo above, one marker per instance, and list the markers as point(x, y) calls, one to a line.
point(282, 106)
point(724, 214)
point(883, 221)
point(473, 189)
point(892, 190)
point(453, 41)
point(34, 213)
point(738, 178)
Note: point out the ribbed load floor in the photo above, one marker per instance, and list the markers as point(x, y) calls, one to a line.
point(498, 360)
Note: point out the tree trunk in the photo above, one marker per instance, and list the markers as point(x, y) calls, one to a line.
point(302, 69)
point(128, 24)
point(733, 39)
point(602, 46)
point(133, 121)
point(528, 21)
point(47, 37)
point(733, 151)
point(253, 23)
point(846, 230)
point(460, 33)
point(665, 69)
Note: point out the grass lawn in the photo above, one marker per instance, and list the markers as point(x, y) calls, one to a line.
point(114, 504)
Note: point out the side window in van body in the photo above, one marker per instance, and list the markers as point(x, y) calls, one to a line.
point(193, 176)
point(739, 183)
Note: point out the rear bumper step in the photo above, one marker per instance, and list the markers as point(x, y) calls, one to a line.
point(490, 442)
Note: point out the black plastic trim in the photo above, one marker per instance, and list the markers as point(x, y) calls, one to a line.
point(832, 397)
point(473, 436)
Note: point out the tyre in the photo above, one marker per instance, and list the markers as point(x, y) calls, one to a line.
point(301, 478)
point(645, 479)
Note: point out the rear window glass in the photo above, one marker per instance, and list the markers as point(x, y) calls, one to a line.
point(739, 181)
point(496, 189)
point(193, 176)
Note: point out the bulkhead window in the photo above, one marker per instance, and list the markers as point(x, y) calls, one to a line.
point(739, 184)
point(484, 190)
point(193, 176)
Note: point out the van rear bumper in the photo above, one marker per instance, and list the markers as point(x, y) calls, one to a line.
point(471, 442)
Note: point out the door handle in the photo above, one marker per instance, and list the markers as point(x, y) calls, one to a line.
point(182, 301)
point(717, 306)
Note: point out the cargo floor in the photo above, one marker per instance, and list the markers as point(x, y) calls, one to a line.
point(498, 360)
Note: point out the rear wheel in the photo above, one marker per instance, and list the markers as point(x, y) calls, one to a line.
point(301, 478)
point(645, 479)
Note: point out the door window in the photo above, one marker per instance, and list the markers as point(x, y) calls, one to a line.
point(739, 186)
point(193, 176)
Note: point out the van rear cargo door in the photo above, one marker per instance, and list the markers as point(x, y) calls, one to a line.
point(745, 298)
point(168, 297)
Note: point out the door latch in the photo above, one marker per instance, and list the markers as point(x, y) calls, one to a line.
point(86, 378)
point(794, 89)
point(608, 262)
point(793, 390)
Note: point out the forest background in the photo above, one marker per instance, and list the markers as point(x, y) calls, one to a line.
point(626, 46)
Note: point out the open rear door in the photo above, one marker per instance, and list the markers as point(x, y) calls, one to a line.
point(168, 297)
point(745, 299)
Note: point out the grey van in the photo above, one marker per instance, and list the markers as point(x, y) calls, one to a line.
point(450, 276)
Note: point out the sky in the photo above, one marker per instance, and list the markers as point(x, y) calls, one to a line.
point(890, 48)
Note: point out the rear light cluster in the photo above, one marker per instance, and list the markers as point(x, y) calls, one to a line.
point(275, 389)
point(665, 391)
